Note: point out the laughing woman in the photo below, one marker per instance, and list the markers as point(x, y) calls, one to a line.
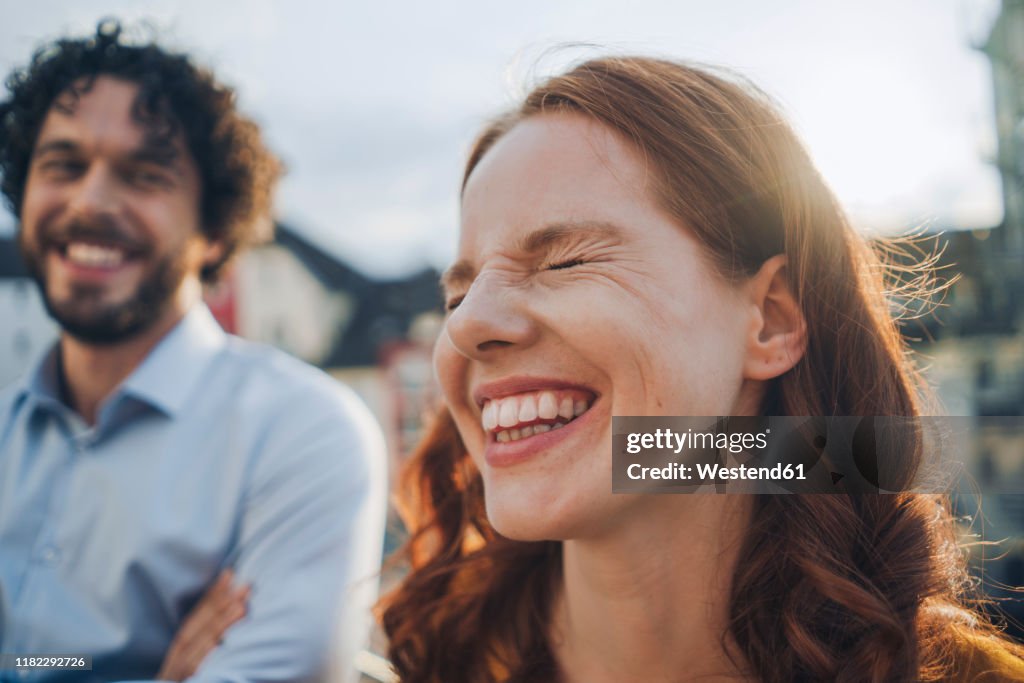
point(642, 237)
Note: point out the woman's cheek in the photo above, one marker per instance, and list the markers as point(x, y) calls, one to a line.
point(450, 370)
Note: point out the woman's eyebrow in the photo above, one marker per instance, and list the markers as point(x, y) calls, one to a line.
point(461, 273)
point(556, 234)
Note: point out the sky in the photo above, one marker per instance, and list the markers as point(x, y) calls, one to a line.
point(373, 106)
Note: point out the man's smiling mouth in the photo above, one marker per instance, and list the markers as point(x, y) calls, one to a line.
point(90, 255)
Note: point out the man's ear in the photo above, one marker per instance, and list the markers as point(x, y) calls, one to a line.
point(777, 336)
point(212, 252)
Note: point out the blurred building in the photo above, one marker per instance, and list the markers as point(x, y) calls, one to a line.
point(1005, 49)
point(975, 355)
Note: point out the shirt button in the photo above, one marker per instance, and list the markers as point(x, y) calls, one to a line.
point(51, 554)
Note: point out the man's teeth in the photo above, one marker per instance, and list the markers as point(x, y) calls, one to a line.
point(556, 407)
point(94, 256)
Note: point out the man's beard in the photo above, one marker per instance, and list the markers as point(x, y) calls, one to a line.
point(80, 314)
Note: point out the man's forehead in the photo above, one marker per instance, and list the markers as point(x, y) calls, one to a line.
point(101, 110)
point(102, 96)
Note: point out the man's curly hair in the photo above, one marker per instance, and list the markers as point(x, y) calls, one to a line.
point(237, 172)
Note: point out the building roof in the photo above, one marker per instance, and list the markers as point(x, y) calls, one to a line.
point(330, 271)
point(384, 308)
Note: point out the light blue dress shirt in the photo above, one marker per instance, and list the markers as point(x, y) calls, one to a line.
point(213, 453)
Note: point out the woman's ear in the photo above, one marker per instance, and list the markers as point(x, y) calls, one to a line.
point(777, 337)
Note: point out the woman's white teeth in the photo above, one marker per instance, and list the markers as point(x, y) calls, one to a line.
point(565, 408)
point(490, 417)
point(516, 410)
point(527, 409)
point(94, 256)
point(547, 408)
point(508, 415)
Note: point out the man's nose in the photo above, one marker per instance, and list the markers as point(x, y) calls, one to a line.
point(95, 194)
point(493, 315)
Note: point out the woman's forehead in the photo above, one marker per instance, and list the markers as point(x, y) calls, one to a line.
point(553, 169)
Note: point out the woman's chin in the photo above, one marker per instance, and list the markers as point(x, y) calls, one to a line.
point(556, 517)
point(521, 522)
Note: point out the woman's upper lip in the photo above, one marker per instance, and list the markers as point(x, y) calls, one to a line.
point(522, 384)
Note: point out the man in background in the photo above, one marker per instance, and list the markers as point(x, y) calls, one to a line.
point(149, 458)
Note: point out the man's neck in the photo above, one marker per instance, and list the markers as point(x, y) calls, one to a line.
point(90, 373)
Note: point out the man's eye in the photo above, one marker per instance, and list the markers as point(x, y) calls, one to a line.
point(63, 167)
point(147, 179)
point(562, 265)
point(453, 303)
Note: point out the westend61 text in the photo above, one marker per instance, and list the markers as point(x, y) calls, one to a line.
point(715, 472)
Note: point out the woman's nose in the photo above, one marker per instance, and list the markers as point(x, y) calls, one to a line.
point(493, 315)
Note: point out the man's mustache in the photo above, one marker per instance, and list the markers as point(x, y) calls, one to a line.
point(101, 232)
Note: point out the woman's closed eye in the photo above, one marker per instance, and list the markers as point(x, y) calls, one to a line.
point(453, 302)
point(562, 265)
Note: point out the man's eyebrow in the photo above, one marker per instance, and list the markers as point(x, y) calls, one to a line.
point(460, 274)
point(159, 153)
point(153, 153)
point(58, 145)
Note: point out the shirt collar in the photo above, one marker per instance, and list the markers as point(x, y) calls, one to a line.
point(166, 377)
point(42, 383)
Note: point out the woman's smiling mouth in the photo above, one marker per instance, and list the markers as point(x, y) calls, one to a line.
point(525, 417)
point(520, 416)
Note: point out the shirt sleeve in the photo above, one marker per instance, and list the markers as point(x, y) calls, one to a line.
point(309, 544)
